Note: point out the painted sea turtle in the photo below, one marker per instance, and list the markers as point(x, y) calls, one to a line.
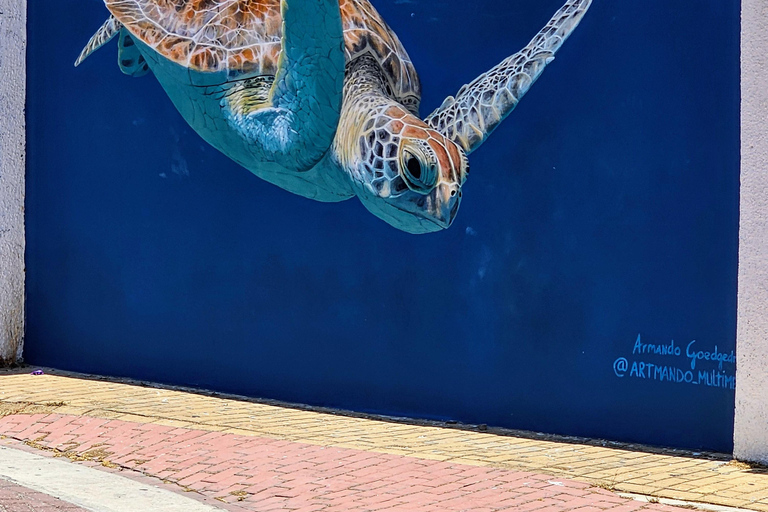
point(320, 98)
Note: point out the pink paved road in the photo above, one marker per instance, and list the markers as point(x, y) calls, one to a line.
point(15, 498)
point(262, 474)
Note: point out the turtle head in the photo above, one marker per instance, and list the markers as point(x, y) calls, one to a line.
point(406, 173)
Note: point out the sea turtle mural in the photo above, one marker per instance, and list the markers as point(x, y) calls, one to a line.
point(319, 97)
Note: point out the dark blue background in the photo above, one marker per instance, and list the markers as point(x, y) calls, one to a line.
point(604, 207)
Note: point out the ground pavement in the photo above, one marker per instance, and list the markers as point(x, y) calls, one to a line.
point(242, 455)
point(15, 498)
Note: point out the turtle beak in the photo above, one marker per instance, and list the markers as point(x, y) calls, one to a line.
point(447, 200)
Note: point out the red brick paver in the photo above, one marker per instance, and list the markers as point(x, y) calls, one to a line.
point(15, 498)
point(264, 474)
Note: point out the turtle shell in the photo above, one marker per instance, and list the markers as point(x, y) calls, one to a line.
point(242, 37)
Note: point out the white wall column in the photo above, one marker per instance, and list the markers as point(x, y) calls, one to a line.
point(751, 426)
point(13, 44)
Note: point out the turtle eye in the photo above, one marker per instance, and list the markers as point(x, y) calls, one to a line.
point(414, 167)
point(419, 177)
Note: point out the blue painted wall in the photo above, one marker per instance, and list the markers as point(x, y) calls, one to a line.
point(604, 207)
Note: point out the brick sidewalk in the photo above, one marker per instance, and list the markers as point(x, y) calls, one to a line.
point(141, 424)
point(15, 498)
point(263, 474)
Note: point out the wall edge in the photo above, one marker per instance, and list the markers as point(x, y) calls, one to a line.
point(751, 413)
point(13, 44)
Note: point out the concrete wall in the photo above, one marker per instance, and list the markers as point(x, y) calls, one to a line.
point(13, 41)
point(751, 424)
point(151, 255)
point(751, 418)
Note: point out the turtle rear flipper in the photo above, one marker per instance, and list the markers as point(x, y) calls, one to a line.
point(129, 57)
point(105, 34)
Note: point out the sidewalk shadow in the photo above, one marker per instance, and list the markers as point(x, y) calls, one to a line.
point(17, 369)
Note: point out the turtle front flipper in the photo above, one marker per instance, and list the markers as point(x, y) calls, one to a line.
point(298, 127)
point(480, 106)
